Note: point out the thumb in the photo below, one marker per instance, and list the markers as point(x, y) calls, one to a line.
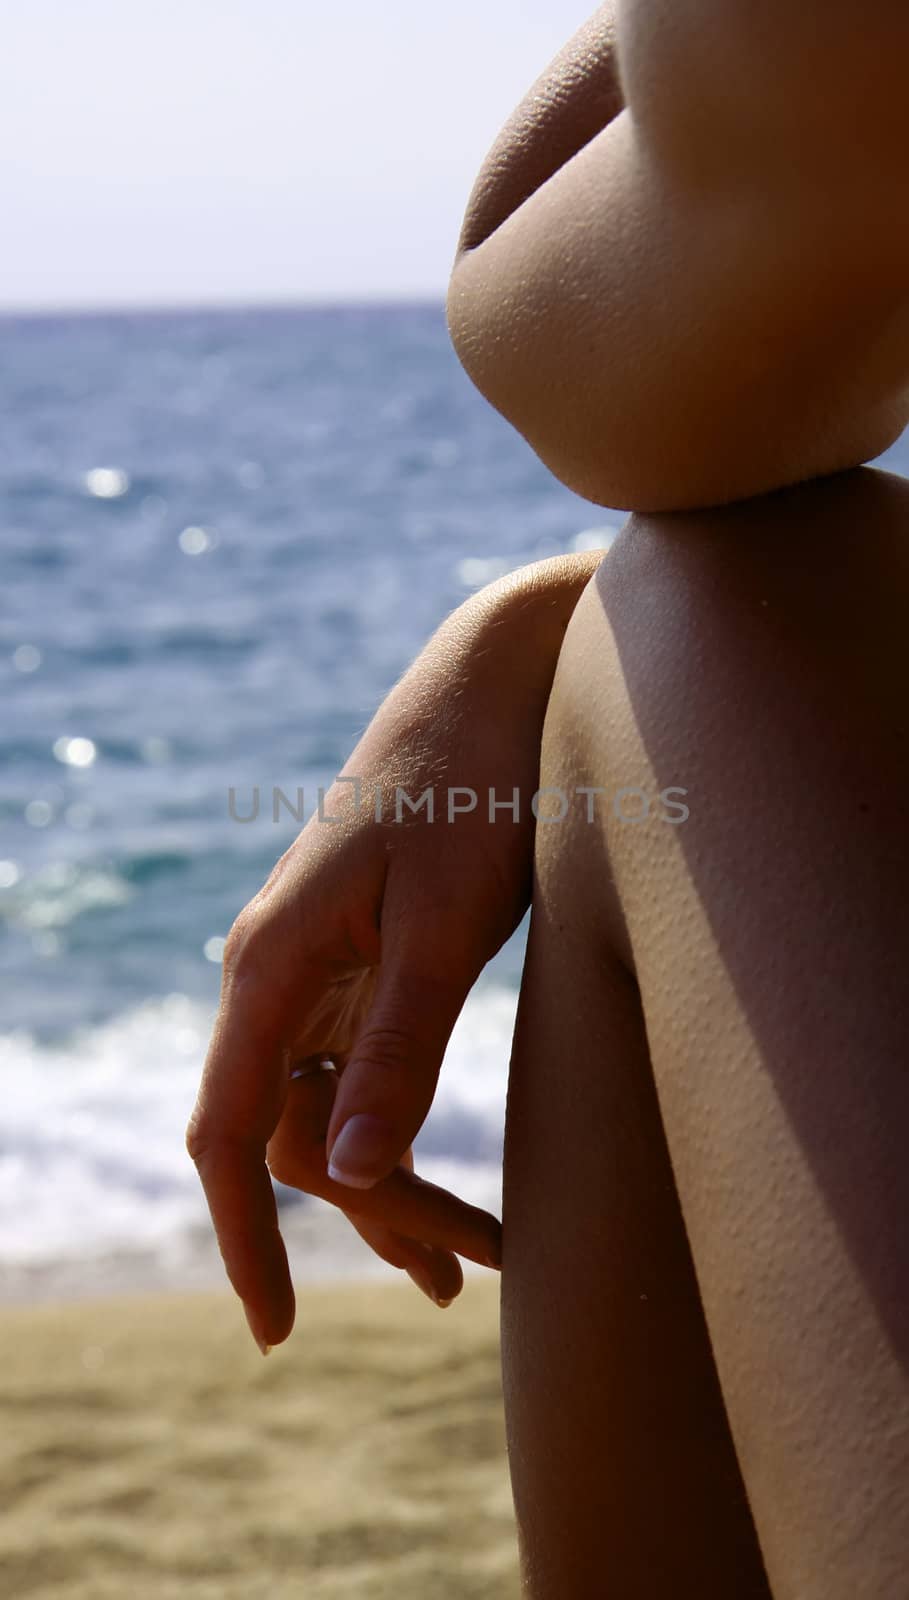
point(388, 1083)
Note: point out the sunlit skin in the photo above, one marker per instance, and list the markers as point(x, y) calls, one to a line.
point(363, 945)
point(710, 192)
point(705, 1189)
point(686, 289)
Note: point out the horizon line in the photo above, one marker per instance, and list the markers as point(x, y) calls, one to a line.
point(129, 308)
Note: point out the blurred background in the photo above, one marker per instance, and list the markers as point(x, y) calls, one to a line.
point(243, 479)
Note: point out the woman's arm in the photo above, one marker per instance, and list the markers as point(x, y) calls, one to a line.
point(363, 945)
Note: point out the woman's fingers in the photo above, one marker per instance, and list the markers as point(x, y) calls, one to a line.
point(396, 1022)
point(401, 1203)
point(424, 1211)
point(239, 1105)
point(436, 1272)
point(311, 1092)
point(393, 1064)
point(312, 1087)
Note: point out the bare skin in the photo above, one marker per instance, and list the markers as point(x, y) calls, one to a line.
point(362, 947)
point(712, 191)
point(682, 278)
point(713, 1035)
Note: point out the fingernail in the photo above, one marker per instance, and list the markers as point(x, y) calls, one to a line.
point(252, 1319)
point(359, 1155)
point(441, 1303)
point(423, 1283)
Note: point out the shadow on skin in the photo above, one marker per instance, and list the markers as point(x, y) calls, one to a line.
point(780, 626)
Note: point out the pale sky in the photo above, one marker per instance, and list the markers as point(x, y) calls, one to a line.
point(155, 152)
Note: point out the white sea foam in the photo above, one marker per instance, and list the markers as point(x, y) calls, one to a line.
point(91, 1138)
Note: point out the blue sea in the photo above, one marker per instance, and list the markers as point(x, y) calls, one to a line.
point(224, 536)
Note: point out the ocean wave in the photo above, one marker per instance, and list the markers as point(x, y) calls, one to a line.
point(91, 1141)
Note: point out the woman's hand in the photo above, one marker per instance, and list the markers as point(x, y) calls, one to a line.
point(362, 946)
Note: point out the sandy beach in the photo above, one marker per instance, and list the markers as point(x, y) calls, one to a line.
point(149, 1450)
